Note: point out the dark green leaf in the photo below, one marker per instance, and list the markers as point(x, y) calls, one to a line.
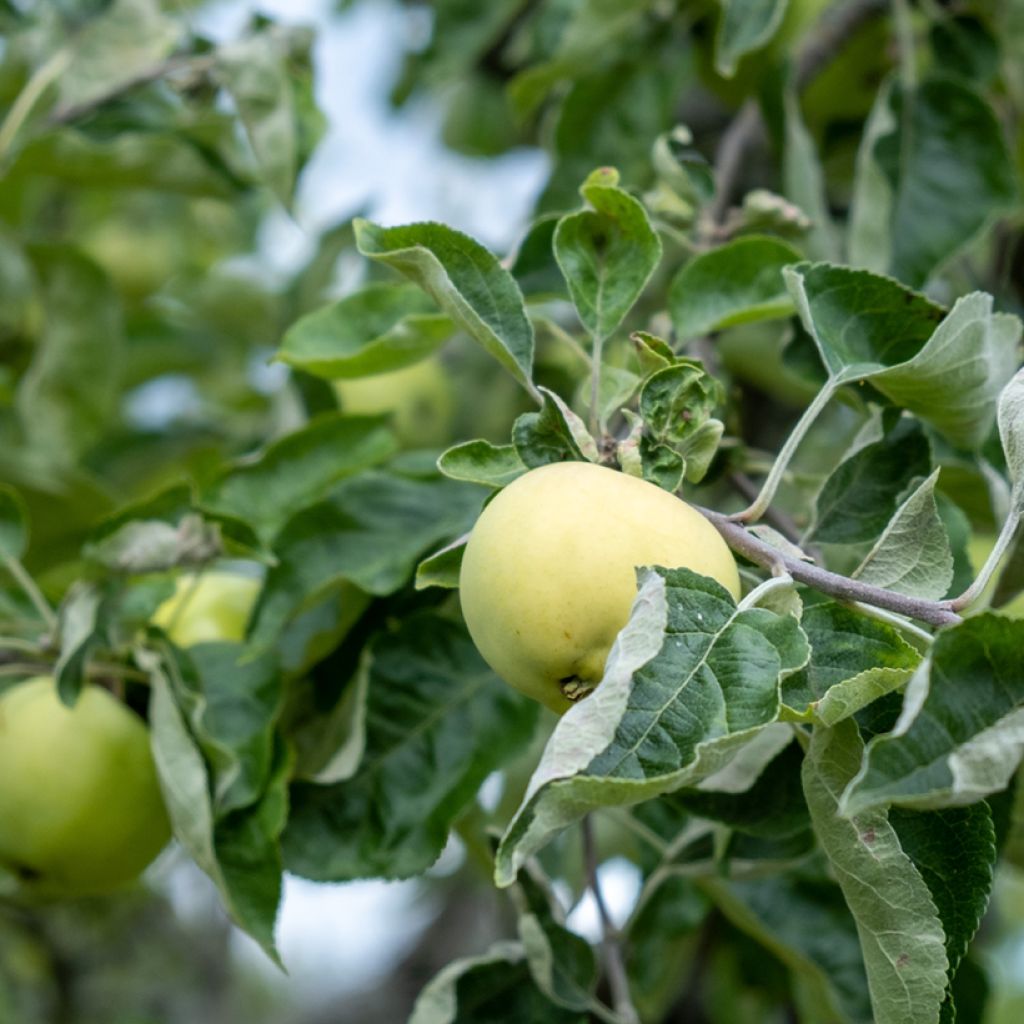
point(743, 26)
point(13, 524)
point(438, 721)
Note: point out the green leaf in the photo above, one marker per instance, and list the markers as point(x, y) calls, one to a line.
point(744, 26)
point(901, 935)
point(861, 322)
point(298, 470)
point(562, 964)
point(736, 283)
point(863, 493)
point(690, 679)
point(955, 852)
point(255, 72)
point(442, 568)
point(677, 401)
point(804, 181)
point(607, 254)
point(13, 524)
point(534, 265)
point(438, 721)
point(81, 629)
point(480, 462)
point(63, 403)
point(152, 545)
point(371, 531)
point(493, 988)
point(465, 280)
point(379, 328)
point(805, 922)
point(854, 659)
point(129, 38)
point(232, 700)
point(555, 434)
point(248, 876)
point(961, 732)
point(937, 148)
point(1011, 434)
point(913, 555)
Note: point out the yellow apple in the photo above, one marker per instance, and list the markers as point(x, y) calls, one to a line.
point(80, 806)
point(548, 576)
point(213, 606)
point(418, 397)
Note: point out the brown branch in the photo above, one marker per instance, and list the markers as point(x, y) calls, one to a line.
point(742, 541)
point(615, 968)
point(828, 38)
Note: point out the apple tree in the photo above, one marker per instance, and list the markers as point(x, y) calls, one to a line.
point(727, 454)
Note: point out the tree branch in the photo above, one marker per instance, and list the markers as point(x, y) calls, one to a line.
point(743, 131)
point(193, 65)
point(614, 967)
point(935, 613)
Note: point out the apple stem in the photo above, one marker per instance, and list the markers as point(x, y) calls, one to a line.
point(615, 968)
point(743, 542)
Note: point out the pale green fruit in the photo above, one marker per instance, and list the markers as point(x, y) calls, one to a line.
point(418, 398)
point(548, 576)
point(80, 807)
point(217, 607)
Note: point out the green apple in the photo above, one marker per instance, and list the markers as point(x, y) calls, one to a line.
point(548, 576)
point(212, 606)
point(80, 806)
point(418, 397)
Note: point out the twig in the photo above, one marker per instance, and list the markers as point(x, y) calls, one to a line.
point(614, 966)
point(746, 127)
point(70, 112)
point(773, 516)
point(935, 613)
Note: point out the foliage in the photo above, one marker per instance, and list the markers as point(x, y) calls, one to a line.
point(775, 270)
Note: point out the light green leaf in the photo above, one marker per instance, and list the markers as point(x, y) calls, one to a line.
point(438, 721)
point(298, 470)
point(255, 71)
point(129, 37)
point(380, 328)
point(913, 555)
point(555, 434)
point(152, 545)
point(901, 935)
point(480, 462)
point(672, 708)
point(735, 283)
point(442, 568)
point(81, 628)
point(607, 254)
point(1011, 433)
point(744, 26)
point(961, 733)
point(465, 280)
point(955, 380)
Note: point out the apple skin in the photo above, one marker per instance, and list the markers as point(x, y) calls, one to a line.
point(215, 608)
point(418, 397)
point(548, 576)
point(81, 811)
